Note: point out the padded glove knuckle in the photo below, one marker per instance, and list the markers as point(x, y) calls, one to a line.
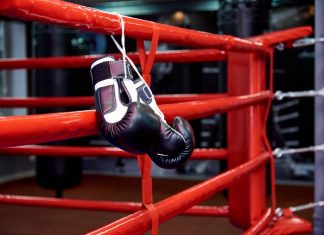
point(174, 146)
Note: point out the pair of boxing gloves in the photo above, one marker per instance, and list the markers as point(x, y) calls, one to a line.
point(129, 118)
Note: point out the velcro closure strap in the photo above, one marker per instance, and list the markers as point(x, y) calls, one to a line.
point(117, 69)
point(110, 69)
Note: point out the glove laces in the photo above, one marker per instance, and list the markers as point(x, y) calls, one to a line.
point(122, 48)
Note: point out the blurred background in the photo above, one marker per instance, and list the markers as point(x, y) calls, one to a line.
point(291, 120)
point(290, 125)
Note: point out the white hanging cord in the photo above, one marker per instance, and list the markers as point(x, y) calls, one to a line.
point(278, 152)
point(279, 95)
point(306, 206)
point(122, 48)
point(280, 212)
point(307, 42)
point(301, 43)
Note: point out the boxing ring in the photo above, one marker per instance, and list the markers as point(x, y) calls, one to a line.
point(246, 102)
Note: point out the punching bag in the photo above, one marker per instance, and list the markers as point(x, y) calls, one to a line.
point(57, 173)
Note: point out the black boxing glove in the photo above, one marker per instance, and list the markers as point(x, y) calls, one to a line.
point(175, 144)
point(121, 118)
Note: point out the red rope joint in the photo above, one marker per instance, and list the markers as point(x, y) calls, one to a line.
point(145, 163)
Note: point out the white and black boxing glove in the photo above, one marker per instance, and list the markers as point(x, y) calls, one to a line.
point(122, 120)
point(175, 144)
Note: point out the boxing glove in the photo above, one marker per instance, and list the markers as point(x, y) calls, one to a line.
point(122, 120)
point(175, 144)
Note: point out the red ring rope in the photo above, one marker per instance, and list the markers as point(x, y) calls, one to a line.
point(89, 151)
point(85, 18)
point(176, 56)
point(46, 102)
point(139, 222)
point(116, 206)
point(42, 128)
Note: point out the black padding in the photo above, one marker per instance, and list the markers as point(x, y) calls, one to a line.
point(136, 132)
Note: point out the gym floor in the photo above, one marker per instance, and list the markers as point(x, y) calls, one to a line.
point(18, 220)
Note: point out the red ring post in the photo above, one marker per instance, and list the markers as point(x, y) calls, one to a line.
point(247, 197)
